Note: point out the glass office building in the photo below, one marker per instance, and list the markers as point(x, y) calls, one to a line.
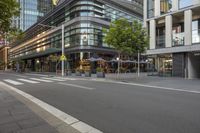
point(30, 12)
point(83, 22)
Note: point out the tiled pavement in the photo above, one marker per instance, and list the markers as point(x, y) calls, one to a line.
point(16, 117)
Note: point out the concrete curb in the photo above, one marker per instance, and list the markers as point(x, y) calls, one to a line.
point(63, 122)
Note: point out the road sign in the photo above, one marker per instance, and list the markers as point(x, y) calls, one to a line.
point(63, 57)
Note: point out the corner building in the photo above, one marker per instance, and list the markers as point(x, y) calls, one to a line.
point(83, 22)
point(174, 30)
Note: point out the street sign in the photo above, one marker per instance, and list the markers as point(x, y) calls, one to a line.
point(63, 58)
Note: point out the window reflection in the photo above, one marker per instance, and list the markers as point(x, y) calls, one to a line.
point(185, 3)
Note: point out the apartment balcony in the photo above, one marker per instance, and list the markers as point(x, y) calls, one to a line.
point(178, 39)
point(160, 41)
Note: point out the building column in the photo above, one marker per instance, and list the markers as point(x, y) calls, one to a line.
point(157, 8)
point(188, 27)
point(152, 34)
point(145, 12)
point(168, 31)
point(175, 5)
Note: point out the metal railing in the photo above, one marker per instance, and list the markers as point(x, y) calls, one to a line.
point(178, 39)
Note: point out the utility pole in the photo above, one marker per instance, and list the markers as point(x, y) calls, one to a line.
point(63, 50)
point(138, 63)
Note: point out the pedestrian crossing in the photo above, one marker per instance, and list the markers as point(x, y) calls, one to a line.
point(21, 81)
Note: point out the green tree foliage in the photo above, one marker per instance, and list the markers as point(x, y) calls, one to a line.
point(8, 9)
point(117, 35)
point(139, 39)
point(14, 35)
point(127, 37)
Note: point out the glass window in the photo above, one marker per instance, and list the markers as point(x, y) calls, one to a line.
point(185, 3)
point(165, 6)
point(150, 8)
point(196, 31)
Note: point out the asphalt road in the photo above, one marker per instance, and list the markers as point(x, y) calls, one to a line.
point(118, 108)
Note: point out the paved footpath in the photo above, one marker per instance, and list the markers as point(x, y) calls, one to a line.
point(19, 115)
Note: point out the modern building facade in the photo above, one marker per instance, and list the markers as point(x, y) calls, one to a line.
point(83, 22)
point(30, 12)
point(174, 29)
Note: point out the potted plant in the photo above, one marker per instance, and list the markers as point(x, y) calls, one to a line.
point(87, 73)
point(100, 73)
point(78, 72)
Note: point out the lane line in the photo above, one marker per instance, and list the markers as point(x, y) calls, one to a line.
point(43, 80)
point(77, 86)
point(53, 79)
point(29, 81)
point(36, 75)
point(65, 78)
point(150, 86)
point(13, 82)
point(68, 119)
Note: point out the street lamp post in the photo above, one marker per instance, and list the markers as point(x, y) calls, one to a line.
point(63, 45)
point(138, 64)
point(118, 67)
point(63, 50)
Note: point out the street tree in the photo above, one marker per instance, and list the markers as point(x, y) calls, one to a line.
point(138, 40)
point(14, 35)
point(8, 9)
point(117, 36)
point(55, 59)
point(126, 37)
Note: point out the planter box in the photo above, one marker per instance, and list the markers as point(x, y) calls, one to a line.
point(87, 74)
point(78, 73)
point(100, 75)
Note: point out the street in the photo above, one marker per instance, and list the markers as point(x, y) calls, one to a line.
point(113, 107)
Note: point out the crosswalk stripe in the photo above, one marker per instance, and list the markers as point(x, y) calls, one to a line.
point(28, 81)
point(54, 79)
point(43, 80)
point(13, 82)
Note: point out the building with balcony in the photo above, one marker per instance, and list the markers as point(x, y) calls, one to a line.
point(83, 22)
point(174, 30)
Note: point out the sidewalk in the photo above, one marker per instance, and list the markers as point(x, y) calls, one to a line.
point(16, 117)
point(20, 115)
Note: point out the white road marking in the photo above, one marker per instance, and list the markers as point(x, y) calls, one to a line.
point(160, 87)
point(43, 80)
point(28, 81)
point(53, 79)
point(65, 78)
point(77, 86)
point(85, 128)
point(36, 75)
point(148, 86)
point(68, 119)
point(13, 82)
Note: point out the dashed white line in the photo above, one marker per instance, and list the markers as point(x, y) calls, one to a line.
point(53, 79)
point(28, 81)
point(13, 82)
point(77, 86)
point(43, 80)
